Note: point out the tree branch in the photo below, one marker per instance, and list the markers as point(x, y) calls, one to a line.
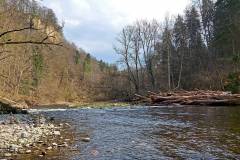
point(31, 42)
point(17, 30)
point(3, 58)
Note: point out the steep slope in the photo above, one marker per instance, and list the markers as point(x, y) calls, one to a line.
point(44, 73)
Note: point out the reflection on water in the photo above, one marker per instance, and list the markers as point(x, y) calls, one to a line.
point(155, 133)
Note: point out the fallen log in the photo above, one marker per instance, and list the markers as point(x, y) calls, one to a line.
point(213, 102)
point(199, 97)
point(9, 106)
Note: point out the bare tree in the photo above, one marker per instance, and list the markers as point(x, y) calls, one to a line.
point(148, 36)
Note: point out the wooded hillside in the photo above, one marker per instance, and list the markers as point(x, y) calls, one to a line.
point(37, 63)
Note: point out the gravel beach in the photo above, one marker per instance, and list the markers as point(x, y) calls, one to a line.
point(20, 133)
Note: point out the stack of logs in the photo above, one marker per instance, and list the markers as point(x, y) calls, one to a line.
point(199, 97)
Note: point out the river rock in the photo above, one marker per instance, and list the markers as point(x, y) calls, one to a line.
point(14, 148)
point(86, 139)
point(54, 144)
point(28, 151)
point(67, 124)
point(24, 135)
point(21, 151)
point(49, 148)
point(56, 133)
point(7, 154)
point(63, 145)
point(27, 145)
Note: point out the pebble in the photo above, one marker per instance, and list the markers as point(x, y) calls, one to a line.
point(54, 144)
point(28, 151)
point(24, 135)
point(67, 124)
point(63, 145)
point(86, 139)
point(7, 155)
point(13, 148)
point(21, 151)
point(56, 133)
point(29, 139)
point(49, 148)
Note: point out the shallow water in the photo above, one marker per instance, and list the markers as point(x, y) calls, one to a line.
point(153, 133)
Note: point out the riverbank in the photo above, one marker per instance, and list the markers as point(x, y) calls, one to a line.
point(26, 134)
point(94, 105)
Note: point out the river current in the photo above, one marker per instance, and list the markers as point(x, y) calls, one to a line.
point(152, 133)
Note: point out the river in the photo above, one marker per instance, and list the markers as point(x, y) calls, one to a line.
point(152, 133)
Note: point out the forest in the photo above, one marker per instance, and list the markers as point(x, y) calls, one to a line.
point(174, 92)
point(197, 50)
point(38, 64)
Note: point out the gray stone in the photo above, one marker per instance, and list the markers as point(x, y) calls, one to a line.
point(56, 133)
point(24, 135)
point(14, 148)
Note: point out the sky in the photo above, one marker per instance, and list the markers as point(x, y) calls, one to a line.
point(93, 25)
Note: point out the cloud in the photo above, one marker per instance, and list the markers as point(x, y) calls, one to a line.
point(93, 24)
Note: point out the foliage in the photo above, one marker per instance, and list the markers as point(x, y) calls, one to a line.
point(233, 82)
point(38, 67)
point(77, 57)
point(87, 64)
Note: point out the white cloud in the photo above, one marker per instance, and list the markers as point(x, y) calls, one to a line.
point(72, 22)
point(106, 17)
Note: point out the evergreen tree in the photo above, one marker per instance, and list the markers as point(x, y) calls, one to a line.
point(180, 45)
point(195, 42)
point(227, 27)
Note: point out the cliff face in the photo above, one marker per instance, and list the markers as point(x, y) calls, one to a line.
point(50, 30)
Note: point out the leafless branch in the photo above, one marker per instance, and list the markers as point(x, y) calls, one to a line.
point(18, 30)
point(31, 42)
point(8, 56)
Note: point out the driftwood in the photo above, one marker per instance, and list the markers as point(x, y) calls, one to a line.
point(9, 106)
point(199, 97)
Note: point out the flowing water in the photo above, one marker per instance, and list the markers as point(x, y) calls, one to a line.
point(153, 133)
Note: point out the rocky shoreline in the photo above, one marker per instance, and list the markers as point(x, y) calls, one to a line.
point(22, 134)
